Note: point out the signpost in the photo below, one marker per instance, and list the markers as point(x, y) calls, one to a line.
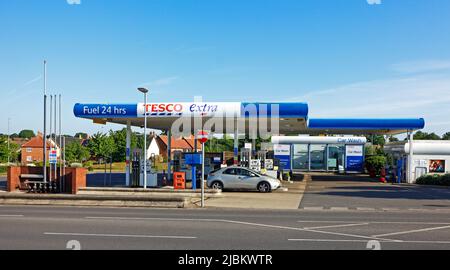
point(203, 138)
point(53, 158)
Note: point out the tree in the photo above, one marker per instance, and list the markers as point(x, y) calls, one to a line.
point(26, 134)
point(12, 152)
point(102, 146)
point(426, 136)
point(376, 139)
point(393, 139)
point(81, 135)
point(446, 136)
point(75, 152)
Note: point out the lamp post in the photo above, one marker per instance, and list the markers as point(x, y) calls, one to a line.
point(9, 136)
point(145, 92)
point(44, 159)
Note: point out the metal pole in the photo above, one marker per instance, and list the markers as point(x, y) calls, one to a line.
point(60, 145)
point(411, 158)
point(64, 169)
point(145, 141)
point(50, 136)
point(203, 175)
point(44, 166)
point(9, 150)
point(55, 129)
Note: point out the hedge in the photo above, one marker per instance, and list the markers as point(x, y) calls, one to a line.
point(436, 180)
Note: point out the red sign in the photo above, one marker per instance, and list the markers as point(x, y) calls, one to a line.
point(202, 136)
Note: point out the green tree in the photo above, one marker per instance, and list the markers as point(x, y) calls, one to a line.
point(426, 136)
point(75, 152)
point(26, 134)
point(393, 139)
point(102, 146)
point(376, 139)
point(81, 135)
point(446, 136)
point(12, 152)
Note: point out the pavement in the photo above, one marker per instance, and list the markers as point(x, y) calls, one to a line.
point(285, 199)
point(55, 228)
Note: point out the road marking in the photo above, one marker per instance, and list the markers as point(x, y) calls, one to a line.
point(329, 240)
point(374, 222)
point(122, 235)
point(248, 224)
point(337, 226)
point(413, 231)
point(11, 215)
point(364, 241)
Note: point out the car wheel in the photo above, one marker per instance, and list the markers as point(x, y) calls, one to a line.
point(264, 187)
point(217, 185)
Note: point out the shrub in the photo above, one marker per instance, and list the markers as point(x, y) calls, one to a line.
point(3, 169)
point(435, 180)
point(376, 163)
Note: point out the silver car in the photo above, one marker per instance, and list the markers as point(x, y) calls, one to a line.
point(242, 179)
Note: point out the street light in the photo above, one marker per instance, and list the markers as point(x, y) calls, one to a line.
point(145, 92)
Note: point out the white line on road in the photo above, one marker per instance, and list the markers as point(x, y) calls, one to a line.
point(374, 222)
point(121, 235)
point(413, 231)
point(337, 226)
point(245, 223)
point(364, 241)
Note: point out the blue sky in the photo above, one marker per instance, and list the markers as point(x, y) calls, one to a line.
point(345, 58)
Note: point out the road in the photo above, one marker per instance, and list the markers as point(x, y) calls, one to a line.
point(218, 229)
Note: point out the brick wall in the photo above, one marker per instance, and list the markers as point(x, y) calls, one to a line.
point(75, 178)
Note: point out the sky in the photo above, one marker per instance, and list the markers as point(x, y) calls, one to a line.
point(352, 58)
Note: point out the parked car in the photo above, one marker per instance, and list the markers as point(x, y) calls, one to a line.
point(242, 179)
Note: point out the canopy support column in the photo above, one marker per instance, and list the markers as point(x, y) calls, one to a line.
point(169, 155)
point(128, 155)
point(236, 145)
point(411, 173)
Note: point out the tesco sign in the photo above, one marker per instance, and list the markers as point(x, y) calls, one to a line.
point(164, 108)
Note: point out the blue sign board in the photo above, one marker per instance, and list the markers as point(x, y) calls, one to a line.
point(355, 158)
point(193, 159)
point(285, 162)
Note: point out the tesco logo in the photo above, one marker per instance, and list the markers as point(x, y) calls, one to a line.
point(164, 108)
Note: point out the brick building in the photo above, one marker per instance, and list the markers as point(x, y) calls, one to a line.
point(32, 151)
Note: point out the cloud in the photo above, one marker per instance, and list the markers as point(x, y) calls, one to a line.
point(28, 83)
point(161, 82)
point(74, 2)
point(421, 66)
point(416, 96)
point(374, 2)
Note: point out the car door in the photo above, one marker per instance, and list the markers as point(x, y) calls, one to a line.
point(230, 178)
point(247, 179)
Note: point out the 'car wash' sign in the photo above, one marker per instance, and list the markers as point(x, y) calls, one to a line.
point(283, 153)
point(355, 158)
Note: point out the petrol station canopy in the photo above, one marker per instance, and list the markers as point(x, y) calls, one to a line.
point(293, 117)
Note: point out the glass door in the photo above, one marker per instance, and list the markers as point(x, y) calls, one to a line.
point(318, 157)
point(301, 158)
point(336, 157)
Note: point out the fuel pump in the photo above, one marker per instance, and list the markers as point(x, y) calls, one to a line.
point(246, 155)
point(135, 168)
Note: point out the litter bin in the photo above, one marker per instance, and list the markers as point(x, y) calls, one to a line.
point(179, 180)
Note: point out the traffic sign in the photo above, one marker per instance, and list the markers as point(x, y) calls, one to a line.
point(202, 137)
